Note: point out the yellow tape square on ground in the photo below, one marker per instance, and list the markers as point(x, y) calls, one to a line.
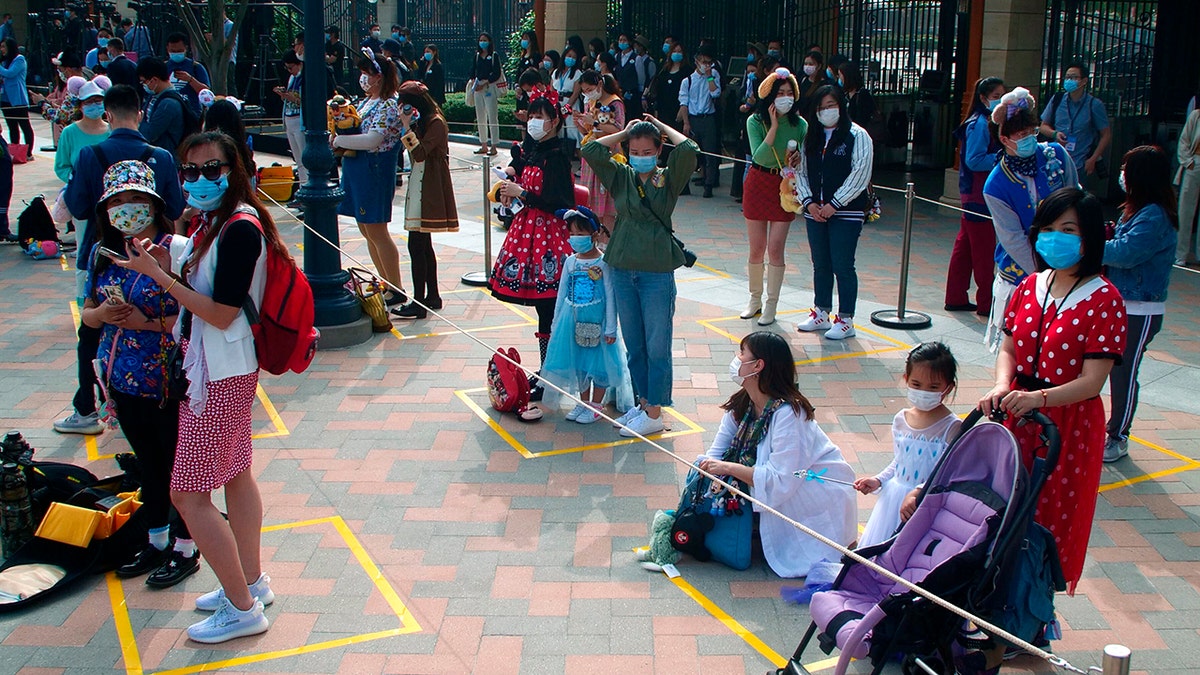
point(895, 345)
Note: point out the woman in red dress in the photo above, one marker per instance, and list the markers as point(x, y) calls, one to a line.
point(1064, 330)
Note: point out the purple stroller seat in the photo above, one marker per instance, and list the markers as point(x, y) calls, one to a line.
point(965, 505)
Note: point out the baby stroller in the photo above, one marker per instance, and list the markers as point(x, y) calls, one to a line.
point(972, 541)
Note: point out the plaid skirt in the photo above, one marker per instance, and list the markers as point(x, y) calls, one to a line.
point(760, 197)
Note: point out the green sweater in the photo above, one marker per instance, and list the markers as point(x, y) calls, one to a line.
point(761, 152)
point(70, 142)
point(640, 241)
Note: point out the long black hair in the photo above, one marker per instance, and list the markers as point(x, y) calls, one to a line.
point(762, 110)
point(225, 117)
point(777, 379)
point(1089, 216)
point(10, 51)
point(1148, 181)
point(814, 140)
point(984, 87)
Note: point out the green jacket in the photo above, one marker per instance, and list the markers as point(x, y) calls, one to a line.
point(767, 155)
point(640, 241)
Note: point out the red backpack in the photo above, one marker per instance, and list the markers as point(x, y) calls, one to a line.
point(284, 336)
point(508, 386)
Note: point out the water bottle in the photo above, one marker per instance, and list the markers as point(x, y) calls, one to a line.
point(16, 511)
point(792, 145)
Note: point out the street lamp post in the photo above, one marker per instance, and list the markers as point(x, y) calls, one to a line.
point(338, 313)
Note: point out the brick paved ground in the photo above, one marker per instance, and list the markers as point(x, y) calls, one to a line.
point(410, 530)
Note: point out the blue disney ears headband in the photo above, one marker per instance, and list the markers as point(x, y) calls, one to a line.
point(585, 214)
point(370, 55)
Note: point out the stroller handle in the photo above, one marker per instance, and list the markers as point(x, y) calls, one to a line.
point(1050, 436)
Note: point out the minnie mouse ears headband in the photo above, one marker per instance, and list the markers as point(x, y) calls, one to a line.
point(1011, 103)
point(582, 213)
point(764, 89)
point(546, 93)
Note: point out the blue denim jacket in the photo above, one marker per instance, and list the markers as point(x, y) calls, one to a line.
point(1140, 256)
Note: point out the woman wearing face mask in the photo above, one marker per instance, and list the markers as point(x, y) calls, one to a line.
point(529, 264)
point(433, 74)
point(485, 84)
point(814, 75)
point(774, 129)
point(136, 318)
point(975, 245)
point(213, 275)
point(766, 435)
point(628, 77)
point(551, 62)
point(666, 95)
point(603, 115)
point(14, 97)
point(1026, 174)
point(89, 130)
point(565, 80)
point(429, 206)
point(369, 174)
point(859, 102)
point(1064, 329)
point(531, 55)
point(643, 256)
point(831, 184)
point(595, 47)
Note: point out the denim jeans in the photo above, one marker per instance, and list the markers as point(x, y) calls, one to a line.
point(833, 244)
point(646, 310)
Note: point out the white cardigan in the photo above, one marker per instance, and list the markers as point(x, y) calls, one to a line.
point(226, 353)
point(795, 443)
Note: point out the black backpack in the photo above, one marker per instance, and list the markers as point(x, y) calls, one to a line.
point(191, 122)
point(35, 223)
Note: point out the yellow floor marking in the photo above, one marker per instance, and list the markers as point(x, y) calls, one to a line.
point(1189, 464)
point(65, 265)
point(730, 622)
point(515, 309)
point(851, 355)
point(408, 623)
point(465, 396)
point(736, 339)
point(713, 270)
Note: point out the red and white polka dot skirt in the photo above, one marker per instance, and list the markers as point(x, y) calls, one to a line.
point(215, 447)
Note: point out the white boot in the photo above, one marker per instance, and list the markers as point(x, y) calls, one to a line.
point(754, 273)
point(774, 283)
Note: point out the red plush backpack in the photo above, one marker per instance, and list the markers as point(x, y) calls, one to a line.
point(284, 336)
point(508, 386)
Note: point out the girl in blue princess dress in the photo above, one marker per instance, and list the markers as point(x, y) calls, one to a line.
point(584, 350)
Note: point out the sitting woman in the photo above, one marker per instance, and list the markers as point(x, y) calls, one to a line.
point(768, 433)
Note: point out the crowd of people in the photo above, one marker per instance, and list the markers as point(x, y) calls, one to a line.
point(172, 242)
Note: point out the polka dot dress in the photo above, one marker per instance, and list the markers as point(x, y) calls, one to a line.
point(215, 447)
point(530, 263)
point(1052, 344)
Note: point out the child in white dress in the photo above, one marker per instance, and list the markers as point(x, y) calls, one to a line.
point(920, 436)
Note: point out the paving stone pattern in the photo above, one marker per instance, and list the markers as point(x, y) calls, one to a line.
point(406, 534)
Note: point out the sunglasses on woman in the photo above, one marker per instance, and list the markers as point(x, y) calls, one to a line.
point(210, 170)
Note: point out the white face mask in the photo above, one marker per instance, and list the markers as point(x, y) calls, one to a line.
point(809, 70)
point(828, 117)
point(592, 95)
point(925, 400)
point(130, 218)
point(537, 129)
point(1121, 182)
point(783, 104)
point(735, 367)
point(364, 82)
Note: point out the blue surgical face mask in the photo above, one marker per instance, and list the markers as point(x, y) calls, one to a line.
point(991, 104)
point(1059, 249)
point(205, 194)
point(101, 42)
point(829, 73)
point(581, 243)
point(666, 48)
point(483, 44)
point(842, 82)
point(623, 45)
point(750, 57)
point(1070, 86)
point(177, 57)
point(524, 44)
point(676, 57)
point(327, 37)
point(396, 36)
point(570, 61)
point(401, 37)
point(94, 111)
point(1027, 146)
point(643, 164)
point(774, 53)
point(146, 88)
point(428, 56)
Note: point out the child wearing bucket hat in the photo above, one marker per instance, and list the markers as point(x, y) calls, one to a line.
point(584, 350)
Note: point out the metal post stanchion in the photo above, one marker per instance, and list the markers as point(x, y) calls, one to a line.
point(1116, 660)
point(899, 317)
point(481, 278)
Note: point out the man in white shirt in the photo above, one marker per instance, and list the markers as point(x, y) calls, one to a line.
point(698, 97)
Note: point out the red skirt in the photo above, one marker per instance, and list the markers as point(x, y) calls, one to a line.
point(215, 447)
point(530, 261)
point(760, 197)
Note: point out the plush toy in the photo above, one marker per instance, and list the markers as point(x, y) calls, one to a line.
point(605, 114)
point(342, 117)
point(660, 551)
point(788, 199)
point(43, 250)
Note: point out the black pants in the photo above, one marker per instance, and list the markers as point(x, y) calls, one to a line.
point(704, 129)
point(424, 266)
point(6, 189)
point(85, 353)
point(152, 432)
point(18, 120)
point(1123, 379)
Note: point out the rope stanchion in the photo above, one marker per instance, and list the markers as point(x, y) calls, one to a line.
point(1116, 661)
point(899, 318)
point(481, 278)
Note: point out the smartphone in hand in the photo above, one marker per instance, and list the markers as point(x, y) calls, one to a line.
point(112, 255)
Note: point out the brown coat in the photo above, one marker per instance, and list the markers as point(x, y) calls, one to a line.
point(429, 205)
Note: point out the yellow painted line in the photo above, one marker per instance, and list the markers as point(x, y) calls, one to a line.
point(129, 651)
point(715, 272)
point(408, 623)
point(818, 666)
point(515, 309)
point(730, 623)
point(75, 316)
point(280, 428)
point(465, 396)
point(1169, 453)
point(65, 265)
point(851, 355)
point(881, 336)
point(708, 323)
point(1190, 466)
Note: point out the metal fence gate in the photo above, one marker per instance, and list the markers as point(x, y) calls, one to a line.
point(454, 26)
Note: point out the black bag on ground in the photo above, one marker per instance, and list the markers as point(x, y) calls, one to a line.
point(35, 223)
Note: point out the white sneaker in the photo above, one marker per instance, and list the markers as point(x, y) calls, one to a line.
point(260, 589)
point(644, 425)
point(818, 319)
point(628, 417)
point(578, 410)
point(229, 622)
point(841, 329)
point(588, 416)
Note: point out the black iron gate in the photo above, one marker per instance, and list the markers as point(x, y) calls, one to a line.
point(454, 26)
